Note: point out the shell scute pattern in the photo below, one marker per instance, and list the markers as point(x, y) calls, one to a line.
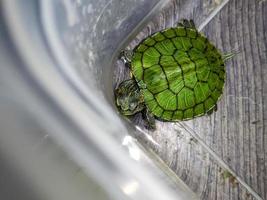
point(182, 71)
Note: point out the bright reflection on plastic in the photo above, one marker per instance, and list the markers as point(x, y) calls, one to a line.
point(148, 136)
point(130, 188)
point(132, 148)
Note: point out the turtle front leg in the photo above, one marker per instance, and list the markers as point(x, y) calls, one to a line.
point(126, 57)
point(186, 23)
point(149, 119)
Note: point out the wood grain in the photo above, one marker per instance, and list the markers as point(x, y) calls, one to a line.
point(237, 131)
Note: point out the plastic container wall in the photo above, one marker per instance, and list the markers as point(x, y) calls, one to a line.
point(61, 136)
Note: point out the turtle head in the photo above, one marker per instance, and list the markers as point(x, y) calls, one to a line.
point(128, 98)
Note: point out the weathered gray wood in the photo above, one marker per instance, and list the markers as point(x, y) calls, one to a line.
point(237, 131)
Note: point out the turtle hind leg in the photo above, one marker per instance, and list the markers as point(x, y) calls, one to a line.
point(149, 119)
point(214, 109)
point(186, 23)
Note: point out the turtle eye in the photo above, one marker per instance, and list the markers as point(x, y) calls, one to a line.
point(132, 106)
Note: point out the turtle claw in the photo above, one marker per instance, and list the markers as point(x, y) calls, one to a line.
point(214, 109)
point(186, 23)
point(149, 119)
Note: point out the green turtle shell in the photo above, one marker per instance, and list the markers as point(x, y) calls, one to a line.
point(180, 73)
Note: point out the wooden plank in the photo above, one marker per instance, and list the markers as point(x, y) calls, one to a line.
point(237, 131)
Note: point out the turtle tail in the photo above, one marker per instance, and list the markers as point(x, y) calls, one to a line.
point(230, 55)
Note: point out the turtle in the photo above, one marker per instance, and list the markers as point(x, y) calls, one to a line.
point(177, 74)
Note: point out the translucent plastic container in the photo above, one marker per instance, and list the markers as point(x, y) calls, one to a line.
point(61, 137)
